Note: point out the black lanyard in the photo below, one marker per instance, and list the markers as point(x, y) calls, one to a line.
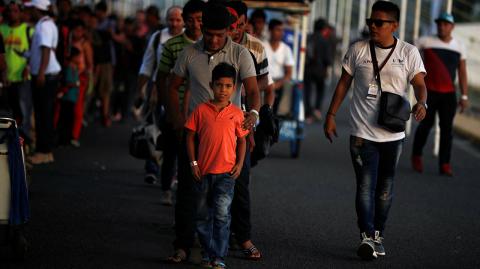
point(377, 69)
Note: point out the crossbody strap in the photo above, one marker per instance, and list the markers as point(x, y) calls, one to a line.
point(377, 69)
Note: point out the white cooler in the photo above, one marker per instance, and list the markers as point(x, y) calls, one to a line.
point(4, 177)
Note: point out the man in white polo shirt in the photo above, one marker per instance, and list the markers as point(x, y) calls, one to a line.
point(44, 69)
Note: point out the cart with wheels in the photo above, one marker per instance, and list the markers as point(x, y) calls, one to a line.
point(291, 122)
point(292, 125)
point(14, 207)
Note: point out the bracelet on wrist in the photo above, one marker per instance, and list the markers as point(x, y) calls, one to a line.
point(193, 163)
point(331, 114)
point(255, 112)
point(464, 97)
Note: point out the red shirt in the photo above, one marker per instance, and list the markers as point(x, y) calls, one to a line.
point(218, 132)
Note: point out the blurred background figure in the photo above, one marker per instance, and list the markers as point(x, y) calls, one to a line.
point(17, 37)
point(319, 58)
point(258, 20)
point(280, 60)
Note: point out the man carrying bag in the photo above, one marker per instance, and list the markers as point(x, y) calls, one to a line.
point(374, 146)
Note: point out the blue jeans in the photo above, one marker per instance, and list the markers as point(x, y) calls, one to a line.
point(214, 198)
point(374, 164)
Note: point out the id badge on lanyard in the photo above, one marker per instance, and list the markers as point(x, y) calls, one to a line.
point(372, 90)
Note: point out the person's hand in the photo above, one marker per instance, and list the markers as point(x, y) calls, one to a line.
point(249, 121)
point(419, 111)
point(40, 82)
point(251, 139)
point(235, 173)
point(463, 104)
point(330, 128)
point(197, 176)
point(26, 73)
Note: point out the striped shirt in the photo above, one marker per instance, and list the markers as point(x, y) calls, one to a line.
point(441, 61)
point(171, 50)
point(257, 50)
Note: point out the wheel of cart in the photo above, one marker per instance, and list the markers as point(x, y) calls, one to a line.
point(11, 231)
point(292, 125)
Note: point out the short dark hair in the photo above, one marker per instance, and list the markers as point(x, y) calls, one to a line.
point(101, 6)
point(76, 23)
point(258, 13)
point(387, 7)
point(153, 11)
point(239, 6)
point(216, 16)
point(193, 6)
point(224, 70)
point(274, 23)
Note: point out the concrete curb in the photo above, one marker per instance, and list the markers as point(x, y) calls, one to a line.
point(468, 126)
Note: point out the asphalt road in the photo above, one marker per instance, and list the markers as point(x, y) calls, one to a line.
point(91, 209)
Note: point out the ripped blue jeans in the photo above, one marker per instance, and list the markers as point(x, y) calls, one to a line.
point(214, 199)
point(374, 164)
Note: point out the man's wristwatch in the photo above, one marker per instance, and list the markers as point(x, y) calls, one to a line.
point(423, 104)
point(193, 163)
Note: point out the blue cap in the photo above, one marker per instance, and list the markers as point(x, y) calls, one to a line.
point(445, 17)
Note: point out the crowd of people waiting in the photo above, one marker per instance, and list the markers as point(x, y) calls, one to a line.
point(217, 79)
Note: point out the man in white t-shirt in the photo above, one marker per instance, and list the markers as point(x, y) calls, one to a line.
point(44, 69)
point(444, 57)
point(149, 68)
point(280, 60)
point(152, 55)
point(374, 150)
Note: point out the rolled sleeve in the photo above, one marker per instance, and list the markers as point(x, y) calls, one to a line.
point(148, 60)
point(348, 62)
point(415, 64)
point(47, 36)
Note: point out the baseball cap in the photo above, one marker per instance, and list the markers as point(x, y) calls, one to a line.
point(445, 17)
point(39, 4)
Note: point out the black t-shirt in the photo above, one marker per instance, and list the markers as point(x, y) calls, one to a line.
point(102, 47)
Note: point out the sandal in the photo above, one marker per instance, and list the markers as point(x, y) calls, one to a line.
point(252, 253)
point(179, 256)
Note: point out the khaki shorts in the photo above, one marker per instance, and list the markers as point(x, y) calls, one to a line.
point(105, 80)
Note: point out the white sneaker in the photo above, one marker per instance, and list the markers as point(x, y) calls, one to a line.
point(366, 250)
point(379, 248)
point(167, 198)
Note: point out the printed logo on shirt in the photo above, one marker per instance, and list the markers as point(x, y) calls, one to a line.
point(398, 62)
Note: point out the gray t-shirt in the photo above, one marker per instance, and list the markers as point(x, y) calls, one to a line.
point(195, 64)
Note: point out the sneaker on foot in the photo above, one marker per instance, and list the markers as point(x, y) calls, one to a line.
point(75, 143)
point(366, 250)
point(167, 198)
point(446, 169)
point(417, 163)
point(378, 240)
point(150, 178)
point(219, 264)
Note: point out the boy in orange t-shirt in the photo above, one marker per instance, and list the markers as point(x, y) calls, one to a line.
point(221, 152)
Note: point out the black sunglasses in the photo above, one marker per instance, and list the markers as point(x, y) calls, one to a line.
point(377, 22)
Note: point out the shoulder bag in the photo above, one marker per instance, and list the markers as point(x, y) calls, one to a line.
point(394, 109)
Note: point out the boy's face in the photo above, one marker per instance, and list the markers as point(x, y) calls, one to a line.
point(222, 89)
